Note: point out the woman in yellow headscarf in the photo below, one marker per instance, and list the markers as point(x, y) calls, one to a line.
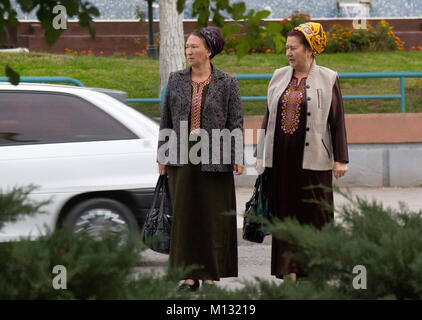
point(305, 139)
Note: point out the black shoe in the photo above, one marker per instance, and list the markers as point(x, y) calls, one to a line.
point(186, 286)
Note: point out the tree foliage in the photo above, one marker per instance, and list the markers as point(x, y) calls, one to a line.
point(250, 24)
point(83, 10)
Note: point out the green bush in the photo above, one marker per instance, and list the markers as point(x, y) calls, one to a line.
point(14, 204)
point(96, 268)
point(297, 18)
point(386, 242)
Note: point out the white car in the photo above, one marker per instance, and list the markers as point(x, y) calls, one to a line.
point(90, 154)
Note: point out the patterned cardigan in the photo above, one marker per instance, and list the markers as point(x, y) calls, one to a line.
point(222, 109)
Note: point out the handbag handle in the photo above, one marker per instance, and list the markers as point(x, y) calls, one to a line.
point(158, 189)
point(166, 191)
point(162, 189)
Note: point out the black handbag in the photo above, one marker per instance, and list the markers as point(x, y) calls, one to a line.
point(258, 206)
point(157, 227)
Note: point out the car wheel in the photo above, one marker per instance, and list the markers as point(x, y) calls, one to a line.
point(95, 216)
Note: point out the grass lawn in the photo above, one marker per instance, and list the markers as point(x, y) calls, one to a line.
point(139, 76)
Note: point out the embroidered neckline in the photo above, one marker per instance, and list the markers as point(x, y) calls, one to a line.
point(197, 90)
point(290, 105)
point(295, 85)
point(206, 81)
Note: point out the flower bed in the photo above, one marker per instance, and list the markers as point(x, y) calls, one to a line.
point(340, 38)
point(349, 39)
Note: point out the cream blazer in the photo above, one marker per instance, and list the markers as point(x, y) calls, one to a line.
point(318, 149)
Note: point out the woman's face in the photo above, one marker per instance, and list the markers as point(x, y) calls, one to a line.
point(297, 54)
point(196, 52)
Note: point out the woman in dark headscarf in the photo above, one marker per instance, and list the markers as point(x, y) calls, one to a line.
point(202, 99)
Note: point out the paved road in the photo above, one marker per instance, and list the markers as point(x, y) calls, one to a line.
point(255, 259)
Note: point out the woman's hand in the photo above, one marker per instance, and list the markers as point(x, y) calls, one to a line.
point(339, 169)
point(162, 169)
point(259, 166)
point(238, 169)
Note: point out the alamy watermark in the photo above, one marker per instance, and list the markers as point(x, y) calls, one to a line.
point(215, 147)
point(357, 25)
point(60, 281)
point(360, 281)
point(60, 20)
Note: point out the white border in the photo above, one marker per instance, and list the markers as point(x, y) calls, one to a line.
point(229, 20)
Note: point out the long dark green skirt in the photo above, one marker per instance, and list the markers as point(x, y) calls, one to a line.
point(204, 229)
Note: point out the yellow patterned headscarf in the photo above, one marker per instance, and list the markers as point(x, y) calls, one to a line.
point(315, 35)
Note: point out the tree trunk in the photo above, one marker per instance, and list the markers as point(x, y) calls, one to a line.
point(172, 42)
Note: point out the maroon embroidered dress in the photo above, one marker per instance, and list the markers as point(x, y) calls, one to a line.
point(287, 178)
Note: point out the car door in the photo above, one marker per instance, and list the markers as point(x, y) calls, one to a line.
point(65, 145)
